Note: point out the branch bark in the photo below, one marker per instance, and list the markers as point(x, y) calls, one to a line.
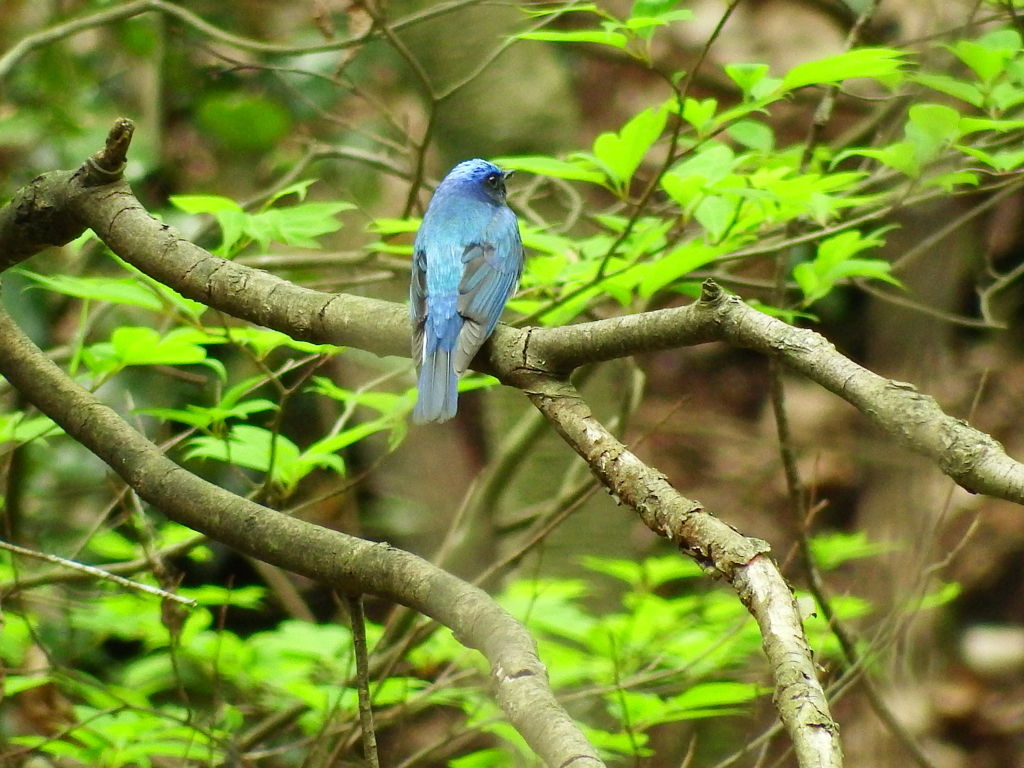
point(346, 563)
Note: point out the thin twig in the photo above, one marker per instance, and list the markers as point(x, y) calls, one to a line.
point(358, 619)
point(98, 573)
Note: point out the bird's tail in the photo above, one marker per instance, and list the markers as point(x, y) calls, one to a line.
point(438, 387)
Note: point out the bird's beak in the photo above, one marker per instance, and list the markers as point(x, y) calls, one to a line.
point(507, 173)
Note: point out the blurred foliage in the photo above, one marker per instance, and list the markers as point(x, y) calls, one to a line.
point(668, 653)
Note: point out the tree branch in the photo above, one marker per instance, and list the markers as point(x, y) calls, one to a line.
point(721, 550)
point(346, 563)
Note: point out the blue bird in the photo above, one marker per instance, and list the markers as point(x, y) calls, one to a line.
point(467, 259)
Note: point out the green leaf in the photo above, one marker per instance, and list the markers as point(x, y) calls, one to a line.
point(206, 418)
point(251, 596)
point(622, 153)
point(953, 180)
point(299, 188)
point(124, 291)
point(139, 345)
point(1005, 40)
point(297, 225)
point(645, 24)
point(830, 550)
point(952, 86)
point(247, 446)
point(707, 699)
point(716, 214)
point(945, 594)
point(400, 226)
point(975, 124)
point(712, 164)
point(902, 156)
point(629, 571)
point(652, 8)
point(1002, 160)
point(753, 134)
point(16, 427)
point(1005, 96)
point(879, 63)
point(263, 341)
point(987, 61)
point(661, 570)
point(382, 402)
point(835, 261)
point(684, 189)
point(632, 744)
point(15, 684)
point(204, 203)
point(543, 165)
point(678, 262)
point(699, 114)
point(747, 76)
point(492, 757)
point(602, 37)
point(930, 128)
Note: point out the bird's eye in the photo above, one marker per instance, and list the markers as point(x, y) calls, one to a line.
point(494, 180)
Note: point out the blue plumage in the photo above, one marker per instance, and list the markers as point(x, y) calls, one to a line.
point(466, 264)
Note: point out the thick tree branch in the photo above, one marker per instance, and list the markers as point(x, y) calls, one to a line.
point(346, 563)
point(722, 551)
point(970, 457)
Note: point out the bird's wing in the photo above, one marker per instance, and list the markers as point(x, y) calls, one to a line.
point(418, 304)
point(490, 276)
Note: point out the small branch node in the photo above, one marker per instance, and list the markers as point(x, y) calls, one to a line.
point(107, 165)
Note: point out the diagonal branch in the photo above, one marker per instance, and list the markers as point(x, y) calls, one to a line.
point(346, 563)
point(721, 549)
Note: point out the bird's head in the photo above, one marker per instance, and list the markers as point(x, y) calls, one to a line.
point(480, 175)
